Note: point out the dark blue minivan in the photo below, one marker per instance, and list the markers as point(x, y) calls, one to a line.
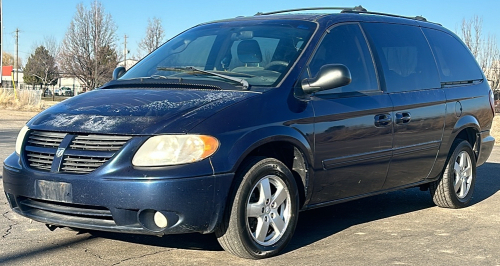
point(233, 127)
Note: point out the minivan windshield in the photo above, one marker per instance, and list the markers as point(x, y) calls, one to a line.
point(243, 53)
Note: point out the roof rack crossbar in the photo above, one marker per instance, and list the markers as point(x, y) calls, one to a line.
point(353, 9)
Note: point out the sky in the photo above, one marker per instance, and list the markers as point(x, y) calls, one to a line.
point(39, 19)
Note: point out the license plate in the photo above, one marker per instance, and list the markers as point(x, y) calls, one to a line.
point(56, 191)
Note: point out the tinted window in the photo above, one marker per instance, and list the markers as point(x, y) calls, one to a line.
point(455, 62)
point(345, 44)
point(403, 51)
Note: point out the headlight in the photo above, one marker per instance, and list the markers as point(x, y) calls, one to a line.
point(20, 138)
point(175, 149)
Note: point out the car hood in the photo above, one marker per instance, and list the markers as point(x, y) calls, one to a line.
point(135, 111)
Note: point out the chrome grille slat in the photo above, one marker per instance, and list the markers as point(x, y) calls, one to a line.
point(35, 160)
point(35, 156)
point(75, 170)
point(93, 150)
point(88, 160)
point(87, 164)
point(40, 166)
point(103, 137)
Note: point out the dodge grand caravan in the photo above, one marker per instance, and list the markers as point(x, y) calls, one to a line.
point(233, 127)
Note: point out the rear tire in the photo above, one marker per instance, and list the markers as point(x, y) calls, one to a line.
point(262, 217)
point(455, 187)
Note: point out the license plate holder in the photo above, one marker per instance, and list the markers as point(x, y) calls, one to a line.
point(54, 191)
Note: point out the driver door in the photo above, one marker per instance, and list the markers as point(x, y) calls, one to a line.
point(353, 123)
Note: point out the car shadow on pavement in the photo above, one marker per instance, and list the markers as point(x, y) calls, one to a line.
point(321, 223)
point(317, 224)
point(487, 182)
point(193, 241)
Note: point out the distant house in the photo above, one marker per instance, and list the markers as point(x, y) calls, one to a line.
point(64, 81)
point(7, 72)
point(130, 63)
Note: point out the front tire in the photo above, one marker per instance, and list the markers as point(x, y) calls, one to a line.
point(455, 187)
point(262, 217)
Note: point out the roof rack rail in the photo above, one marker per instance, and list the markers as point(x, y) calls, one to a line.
point(419, 18)
point(352, 9)
point(357, 9)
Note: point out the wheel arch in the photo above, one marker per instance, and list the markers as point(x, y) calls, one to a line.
point(466, 128)
point(285, 144)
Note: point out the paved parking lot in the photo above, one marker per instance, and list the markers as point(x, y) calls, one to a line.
point(395, 228)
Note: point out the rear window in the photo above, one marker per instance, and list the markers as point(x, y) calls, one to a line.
point(406, 59)
point(455, 61)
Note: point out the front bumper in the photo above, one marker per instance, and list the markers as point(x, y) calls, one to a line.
point(485, 147)
point(116, 201)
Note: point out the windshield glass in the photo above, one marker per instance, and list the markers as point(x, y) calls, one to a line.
point(258, 52)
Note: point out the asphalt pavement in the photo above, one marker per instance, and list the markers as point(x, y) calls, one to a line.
point(398, 228)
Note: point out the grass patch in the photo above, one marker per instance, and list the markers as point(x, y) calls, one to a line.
point(25, 100)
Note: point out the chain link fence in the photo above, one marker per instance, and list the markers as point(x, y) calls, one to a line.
point(21, 96)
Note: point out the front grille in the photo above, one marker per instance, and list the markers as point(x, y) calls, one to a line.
point(83, 153)
point(98, 142)
point(40, 161)
point(82, 164)
point(45, 139)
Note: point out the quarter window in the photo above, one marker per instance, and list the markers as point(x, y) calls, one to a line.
point(346, 44)
point(405, 57)
point(455, 62)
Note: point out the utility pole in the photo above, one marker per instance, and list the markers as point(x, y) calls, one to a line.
point(16, 59)
point(125, 52)
point(1, 44)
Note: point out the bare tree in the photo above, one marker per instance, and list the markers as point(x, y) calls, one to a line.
point(88, 50)
point(155, 36)
point(8, 59)
point(471, 33)
point(50, 43)
point(484, 49)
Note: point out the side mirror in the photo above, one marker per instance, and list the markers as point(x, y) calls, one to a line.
point(328, 77)
point(118, 72)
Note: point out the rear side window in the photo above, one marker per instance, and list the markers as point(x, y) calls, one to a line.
point(455, 62)
point(404, 54)
point(346, 44)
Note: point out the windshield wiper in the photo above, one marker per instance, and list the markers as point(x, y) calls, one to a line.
point(243, 82)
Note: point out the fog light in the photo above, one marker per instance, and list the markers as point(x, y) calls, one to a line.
point(160, 220)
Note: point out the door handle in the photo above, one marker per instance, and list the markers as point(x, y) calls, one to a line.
point(383, 120)
point(403, 118)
